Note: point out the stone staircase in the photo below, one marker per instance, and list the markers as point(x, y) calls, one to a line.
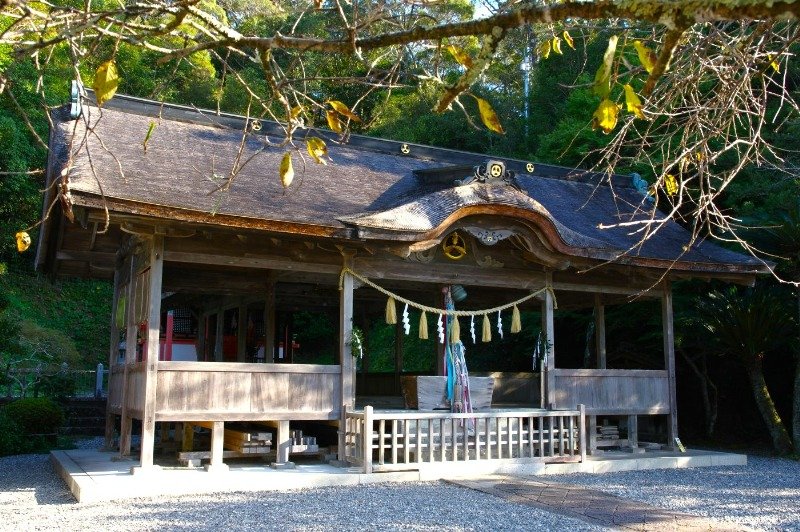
point(84, 417)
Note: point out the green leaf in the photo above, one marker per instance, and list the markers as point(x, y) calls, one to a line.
point(106, 81)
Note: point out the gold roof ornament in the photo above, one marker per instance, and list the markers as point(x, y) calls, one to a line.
point(454, 246)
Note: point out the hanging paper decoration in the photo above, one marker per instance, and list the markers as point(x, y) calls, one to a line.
point(440, 328)
point(500, 324)
point(406, 320)
point(455, 331)
point(487, 329)
point(537, 351)
point(516, 322)
point(472, 327)
point(423, 326)
point(391, 312)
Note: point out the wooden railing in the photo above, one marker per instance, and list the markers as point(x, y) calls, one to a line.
point(612, 391)
point(393, 441)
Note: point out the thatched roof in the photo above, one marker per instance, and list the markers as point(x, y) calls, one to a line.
point(370, 190)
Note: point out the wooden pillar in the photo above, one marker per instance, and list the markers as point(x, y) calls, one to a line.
point(217, 441)
point(669, 361)
point(345, 341)
point(398, 351)
point(269, 321)
point(187, 439)
point(633, 432)
point(549, 334)
point(151, 364)
point(284, 444)
point(600, 331)
point(241, 334)
point(130, 357)
point(600, 349)
point(113, 355)
point(218, 339)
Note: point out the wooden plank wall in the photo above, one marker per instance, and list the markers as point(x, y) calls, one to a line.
point(612, 391)
point(242, 391)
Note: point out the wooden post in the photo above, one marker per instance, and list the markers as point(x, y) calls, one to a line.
point(269, 321)
point(284, 443)
point(219, 356)
point(217, 441)
point(187, 441)
point(113, 354)
point(151, 365)
point(549, 333)
point(345, 341)
point(600, 347)
point(241, 334)
point(130, 356)
point(669, 362)
point(600, 331)
point(633, 432)
point(398, 351)
point(368, 439)
point(582, 431)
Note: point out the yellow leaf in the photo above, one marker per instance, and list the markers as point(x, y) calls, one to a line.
point(774, 64)
point(286, 170)
point(461, 57)
point(333, 121)
point(295, 111)
point(556, 45)
point(647, 57)
point(544, 49)
point(343, 110)
point(106, 81)
point(23, 241)
point(317, 149)
point(632, 102)
point(488, 116)
point(670, 184)
point(568, 39)
point(602, 79)
point(605, 117)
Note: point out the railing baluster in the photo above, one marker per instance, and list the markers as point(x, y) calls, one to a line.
point(552, 438)
point(519, 435)
point(465, 434)
point(382, 442)
point(442, 440)
point(571, 435)
point(367, 439)
point(418, 436)
point(431, 446)
point(406, 445)
point(509, 435)
point(541, 436)
point(477, 431)
point(453, 439)
point(561, 435)
point(394, 441)
point(488, 430)
point(531, 450)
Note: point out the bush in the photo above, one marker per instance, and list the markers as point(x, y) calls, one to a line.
point(36, 415)
point(12, 440)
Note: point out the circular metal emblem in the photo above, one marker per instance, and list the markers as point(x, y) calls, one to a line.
point(454, 247)
point(405, 149)
point(529, 167)
point(496, 170)
point(255, 125)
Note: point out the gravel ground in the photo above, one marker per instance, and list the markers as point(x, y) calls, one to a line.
point(32, 497)
point(764, 495)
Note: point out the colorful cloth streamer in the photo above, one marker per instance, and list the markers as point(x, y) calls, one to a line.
point(458, 392)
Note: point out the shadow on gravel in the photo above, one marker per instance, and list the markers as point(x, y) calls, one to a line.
point(29, 479)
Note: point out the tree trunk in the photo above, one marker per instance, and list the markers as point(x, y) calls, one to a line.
point(780, 438)
point(709, 399)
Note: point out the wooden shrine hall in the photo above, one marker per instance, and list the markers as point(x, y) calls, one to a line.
point(208, 254)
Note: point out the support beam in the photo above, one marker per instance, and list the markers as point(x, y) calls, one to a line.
point(284, 443)
point(113, 355)
point(217, 441)
point(151, 364)
point(600, 331)
point(241, 334)
point(669, 361)
point(548, 327)
point(218, 338)
point(269, 320)
point(345, 341)
point(130, 357)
